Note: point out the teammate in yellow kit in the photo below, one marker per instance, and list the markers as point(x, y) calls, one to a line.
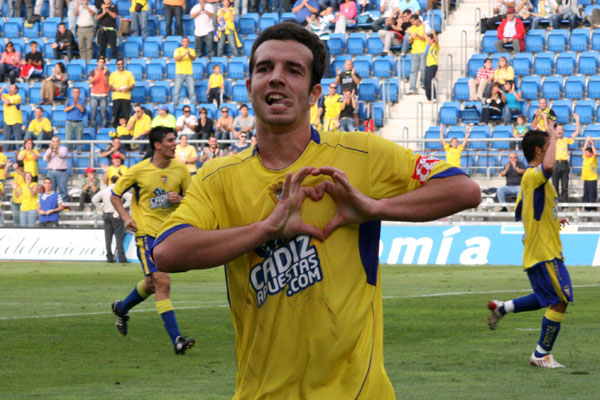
point(303, 279)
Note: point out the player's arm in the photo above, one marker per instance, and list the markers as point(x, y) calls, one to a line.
point(550, 156)
point(117, 203)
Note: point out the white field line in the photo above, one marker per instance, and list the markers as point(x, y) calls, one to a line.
point(224, 305)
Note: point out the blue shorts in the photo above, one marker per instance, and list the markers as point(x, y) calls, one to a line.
point(551, 282)
point(144, 245)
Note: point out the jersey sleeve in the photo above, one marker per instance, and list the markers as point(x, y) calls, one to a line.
point(125, 182)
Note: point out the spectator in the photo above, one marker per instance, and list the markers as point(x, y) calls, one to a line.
point(115, 169)
point(569, 10)
point(412, 5)
point(226, 29)
point(186, 123)
point(174, 8)
point(253, 5)
point(56, 157)
point(541, 115)
point(589, 173)
point(18, 178)
point(13, 116)
point(511, 31)
point(64, 41)
point(404, 17)
point(210, 151)
point(114, 147)
point(28, 8)
point(241, 144)
point(75, 110)
point(29, 156)
point(513, 101)
point(303, 8)
point(85, 14)
point(99, 90)
point(10, 63)
point(520, 129)
point(34, 63)
point(164, 118)
point(315, 114)
point(187, 154)
point(349, 112)
point(55, 85)
point(524, 11)
point(495, 105)
point(418, 46)
point(205, 128)
point(3, 164)
point(348, 78)
point(504, 72)
point(545, 11)
point(431, 66)
point(139, 18)
point(183, 70)
point(10, 9)
point(216, 86)
point(332, 107)
point(243, 123)
point(560, 176)
point(513, 171)
point(500, 9)
point(121, 132)
point(121, 82)
point(388, 9)
point(72, 5)
point(202, 14)
point(113, 224)
point(139, 125)
point(28, 192)
point(478, 87)
point(89, 189)
point(107, 29)
point(224, 125)
point(348, 12)
point(49, 205)
point(319, 25)
point(391, 34)
point(454, 150)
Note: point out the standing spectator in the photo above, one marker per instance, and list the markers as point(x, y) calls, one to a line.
point(206, 126)
point(121, 82)
point(164, 118)
point(589, 173)
point(174, 8)
point(569, 10)
point(184, 71)
point(107, 29)
point(202, 14)
point(10, 63)
point(212, 150)
point(187, 154)
point(186, 123)
point(113, 224)
point(478, 86)
point(18, 178)
point(226, 29)
point(322, 5)
point(241, 144)
point(388, 9)
point(431, 66)
point(75, 110)
point(115, 169)
point(13, 117)
point(49, 205)
point(348, 78)
point(28, 191)
point(10, 9)
point(139, 18)
point(243, 123)
point(541, 115)
point(115, 147)
point(28, 8)
point(504, 72)
point(418, 47)
point(253, 5)
point(513, 171)
point(303, 8)
point(34, 63)
point(64, 41)
point(56, 157)
point(216, 86)
point(139, 124)
point(511, 30)
point(404, 30)
point(89, 189)
point(453, 149)
point(320, 25)
point(85, 13)
point(560, 176)
point(348, 12)
point(55, 85)
point(513, 102)
point(99, 92)
point(29, 156)
point(224, 125)
point(495, 105)
point(349, 112)
point(71, 18)
point(332, 107)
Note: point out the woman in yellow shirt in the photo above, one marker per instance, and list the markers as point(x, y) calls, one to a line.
point(226, 29)
point(589, 173)
point(504, 72)
point(453, 150)
point(30, 156)
point(28, 191)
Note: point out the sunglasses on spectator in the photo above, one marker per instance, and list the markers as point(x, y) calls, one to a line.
point(225, 111)
point(186, 111)
point(243, 136)
point(202, 112)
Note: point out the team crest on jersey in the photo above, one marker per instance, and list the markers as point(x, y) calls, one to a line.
point(163, 178)
point(423, 168)
point(291, 265)
point(159, 199)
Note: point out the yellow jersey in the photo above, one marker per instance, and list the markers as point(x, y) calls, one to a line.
point(433, 55)
point(184, 66)
point(119, 79)
point(562, 148)
point(215, 81)
point(149, 205)
point(453, 154)
point(28, 201)
point(183, 154)
point(19, 180)
point(307, 314)
point(537, 207)
point(123, 131)
point(37, 127)
point(12, 112)
point(140, 127)
point(3, 161)
point(418, 45)
point(589, 171)
point(332, 105)
point(144, 4)
point(112, 171)
point(30, 163)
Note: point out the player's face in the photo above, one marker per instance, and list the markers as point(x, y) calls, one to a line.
point(167, 146)
point(280, 85)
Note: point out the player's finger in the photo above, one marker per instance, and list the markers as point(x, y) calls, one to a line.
point(326, 171)
point(299, 176)
point(312, 193)
point(312, 231)
point(332, 225)
point(285, 190)
point(340, 177)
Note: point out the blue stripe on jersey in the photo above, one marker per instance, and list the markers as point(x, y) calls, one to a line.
point(546, 174)
point(539, 199)
point(167, 233)
point(368, 246)
point(519, 209)
point(449, 172)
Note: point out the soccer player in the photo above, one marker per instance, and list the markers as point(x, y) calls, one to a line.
point(159, 184)
point(303, 279)
point(542, 256)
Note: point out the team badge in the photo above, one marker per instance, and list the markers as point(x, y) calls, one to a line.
point(423, 168)
point(163, 178)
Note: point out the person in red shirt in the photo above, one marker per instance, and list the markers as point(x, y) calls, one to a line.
point(99, 90)
point(511, 30)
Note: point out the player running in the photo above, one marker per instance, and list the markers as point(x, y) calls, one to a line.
point(542, 257)
point(159, 184)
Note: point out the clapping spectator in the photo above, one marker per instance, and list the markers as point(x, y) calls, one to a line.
point(139, 18)
point(64, 41)
point(164, 118)
point(243, 123)
point(34, 63)
point(186, 123)
point(349, 112)
point(513, 101)
point(224, 125)
point(89, 189)
point(348, 78)
point(542, 115)
point(184, 56)
point(114, 147)
point(418, 43)
point(241, 145)
point(202, 14)
point(121, 82)
point(49, 205)
point(55, 85)
point(303, 8)
point(28, 192)
point(205, 128)
point(75, 110)
point(10, 63)
point(511, 31)
point(513, 171)
point(478, 85)
point(589, 173)
point(99, 90)
point(107, 28)
point(29, 156)
point(174, 8)
point(210, 151)
point(348, 12)
point(13, 116)
point(85, 14)
point(226, 30)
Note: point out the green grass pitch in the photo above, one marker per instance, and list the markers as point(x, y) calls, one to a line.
point(58, 339)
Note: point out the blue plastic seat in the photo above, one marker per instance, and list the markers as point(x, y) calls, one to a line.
point(566, 62)
point(403, 65)
point(374, 44)
point(575, 87)
point(59, 117)
point(475, 62)
point(171, 70)
point(356, 43)
point(543, 64)
point(499, 133)
point(170, 45)
point(596, 39)
point(449, 112)
point(247, 44)
point(470, 112)
point(389, 90)
point(248, 23)
point(13, 28)
point(383, 67)
point(155, 70)
point(49, 27)
point(132, 48)
point(123, 7)
point(159, 92)
point(588, 63)
point(479, 132)
point(535, 41)
point(488, 42)
point(378, 113)
point(522, 63)
point(558, 39)
point(140, 92)
point(336, 43)
point(237, 68)
point(287, 16)
point(562, 109)
point(433, 132)
point(531, 87)
point(434, 17)
point(267, 20)
point(222, 61)
point(338, 63)
point(593, 87)
point(592, 130)
point(552, 87)
point(586, 111)
point(35, 93)
point(363, 65)
point(32, 31)
point(199, 68)
point(461, 89)
point(152, 46)
point(188, 26)
point(487, 162)
point(368, 89)
point(580, 39)
point(239, 92)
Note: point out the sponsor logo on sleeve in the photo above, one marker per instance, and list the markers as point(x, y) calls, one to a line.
point(423, 168)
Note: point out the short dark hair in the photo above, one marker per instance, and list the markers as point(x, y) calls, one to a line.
point(114, 179)
point(33, 42)
point(414, 17)
point(292, 31)
point(62, 23)
point(39, 108)
point(20, 163)
point(121, 59)
point(61, 66)
point(158, 133)
point(531, 140)
point(244, 105)
point(47, 179)
point(408, 11)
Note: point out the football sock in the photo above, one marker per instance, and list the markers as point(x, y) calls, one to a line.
point(137, 295)
point(166, 312)
point(550, 328)
point(526, 303)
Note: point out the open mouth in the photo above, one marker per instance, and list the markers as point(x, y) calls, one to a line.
point(277, 99)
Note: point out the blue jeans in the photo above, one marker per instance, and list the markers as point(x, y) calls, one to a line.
point(406, 44)
point(208, 42)
point(28, 218)
point(16, 213)
point(536, 22)
point(507, 190)
point(177, 12)
point(103, 103)
point(508, 114)
point(74, 127)
point(12, 132)
point(417, 66)
point(347, 125)
point(10, 8)
point(555, 19)
point(139, 23)
point(59, 181)
point(9, 71)
point(189, 81)
point(221, 46)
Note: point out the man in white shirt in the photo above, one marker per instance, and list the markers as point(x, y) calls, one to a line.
point(202, 14)
point(186, 123)
point(85, 13)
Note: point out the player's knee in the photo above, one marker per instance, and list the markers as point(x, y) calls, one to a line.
point(161, 281)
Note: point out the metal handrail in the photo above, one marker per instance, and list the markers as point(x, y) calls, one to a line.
point(401, 65)
point(463, 51)
point(476, 42)
point(450, 79)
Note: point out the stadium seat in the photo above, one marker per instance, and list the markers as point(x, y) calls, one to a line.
point(188, 27)
point(363, 65)
point(200, 88)
point(499, 133)
point(580, 39)
point(368, 89)
point(461, 89)
point(479, 132)
point(588, 63)
point(374, 44)
point(543, 64)
point(434, 17)
point(592, 130)
point(170, 45)
point(449, 112)
point(49, 27)
point(153, 24)
point(19, 44)
point(267, 20)
point(336, 43)
point(433, 133)
point(179, 109)
point(596, 39)
point(383, 67)
point(378, 113)
point(565, 63)
point(237, 68)
point(248, 23)
point(247, 44)
point(533, 105)
point(389, 90)
point(222, 61)
point(530, 87)
point(471, 112)
point(562, 109)
point(586, 111)
point(123, 7)
point(593, 87)
point(488, 42)
point(140, 92)
point(487, 164)
point(159, 92)
point(152, 46)
point(171, 70)
point(356, 43)
point(535, 41)
point(338, 63)
point(59, 117)
point(287, 16)
point(76, 71)
point(403, 65)
point(552, 87)
point(132, 48)
point(475, 62)
point(239, 92)
point(558, 39)
point(32, 31)
point(35, 93)
point(522, 63)
point(155, 70)
point(137, 66)
point(23, 92)
point(575, 87)
point(13, 28)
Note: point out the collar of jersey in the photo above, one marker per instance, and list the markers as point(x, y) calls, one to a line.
point(314, 136)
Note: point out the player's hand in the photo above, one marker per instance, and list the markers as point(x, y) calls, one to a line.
point(563, 222)
point(174, 197)
point(130, 224)
point(353, 207)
